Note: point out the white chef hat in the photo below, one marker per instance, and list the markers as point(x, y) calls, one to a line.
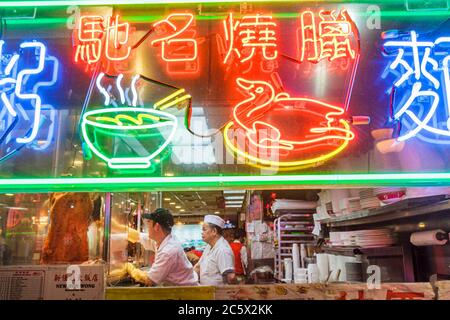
point(218, 221)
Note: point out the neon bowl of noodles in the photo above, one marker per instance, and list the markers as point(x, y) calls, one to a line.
point(128, 137)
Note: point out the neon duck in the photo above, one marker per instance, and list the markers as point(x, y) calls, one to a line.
point(302, 130)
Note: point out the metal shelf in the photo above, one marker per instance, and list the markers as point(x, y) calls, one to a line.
point(292, 241)
point(284, 239)
point(296, 229)
point(295, 235)
point(403, 209)
point(380, 251)
point(283, 223)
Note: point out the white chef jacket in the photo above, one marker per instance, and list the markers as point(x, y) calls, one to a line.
point(215, 262)
point(147, 243)
point(171, 266)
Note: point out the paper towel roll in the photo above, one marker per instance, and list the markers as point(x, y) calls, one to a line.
point(288, 269)
point(295, 256)
point(322, 264)
point(428, 238)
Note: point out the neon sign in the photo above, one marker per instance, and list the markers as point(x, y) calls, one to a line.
point(420, 96)
point(176, 47)
point(130, 137)
point(330, 38)
point(178, 44)
point(254, 115)
point(244, 37)
point(271, 128)
point(96, 39)
point(20, 91)
point(324, 131)
point(110, 123)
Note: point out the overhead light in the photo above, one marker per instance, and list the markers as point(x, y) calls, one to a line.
point(177, 207)
point(9, 194)
point(169, 174)
point(217, 212)
point(167, 199)
point(234, 198)
point(182, 210)
point(172, 203)
point(233, 191)
point(233, 205)
point(233, 202)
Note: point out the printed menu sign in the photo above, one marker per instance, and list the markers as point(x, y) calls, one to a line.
point(91, 284)
point(22, 283)
point(51, 282)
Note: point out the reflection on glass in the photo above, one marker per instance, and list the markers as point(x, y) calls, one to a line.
point(45, 228)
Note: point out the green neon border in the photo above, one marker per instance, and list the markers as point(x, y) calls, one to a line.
point(29, 185)
point(210, 182)
point(59, 3)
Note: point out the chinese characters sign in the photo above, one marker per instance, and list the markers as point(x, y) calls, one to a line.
point(249, 45)
point(420, 95)
point(99, 39)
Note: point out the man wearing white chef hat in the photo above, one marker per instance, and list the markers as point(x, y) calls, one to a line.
point(216, 266)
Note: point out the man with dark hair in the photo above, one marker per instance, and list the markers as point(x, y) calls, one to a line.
point(196, 252)
point(216, 266)
point(171, 266)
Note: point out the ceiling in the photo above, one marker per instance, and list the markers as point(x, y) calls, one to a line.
point(201, 203)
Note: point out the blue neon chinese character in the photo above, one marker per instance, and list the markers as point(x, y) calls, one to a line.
point(21, 80)
point(420, 95)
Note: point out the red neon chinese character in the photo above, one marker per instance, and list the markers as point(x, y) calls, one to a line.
point(251, 33)
point(119, 33)
point(178, 43)
point(90, 36)
point(330, 38)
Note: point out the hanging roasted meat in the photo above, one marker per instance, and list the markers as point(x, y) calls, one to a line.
point(67, 239)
